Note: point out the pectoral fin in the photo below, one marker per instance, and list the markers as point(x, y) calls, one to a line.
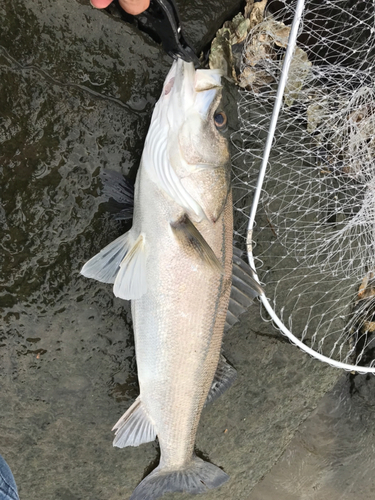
point(120, 191)
point(189, 237)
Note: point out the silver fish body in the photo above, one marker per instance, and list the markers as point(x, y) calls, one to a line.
point(175, 264)
point(178, 325)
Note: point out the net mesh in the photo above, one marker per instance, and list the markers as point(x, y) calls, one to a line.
point(314, 239)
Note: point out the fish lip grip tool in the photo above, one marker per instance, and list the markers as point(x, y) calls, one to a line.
point(162, 19)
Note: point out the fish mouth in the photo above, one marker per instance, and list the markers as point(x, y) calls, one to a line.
point(185, 87)
point(179, 84)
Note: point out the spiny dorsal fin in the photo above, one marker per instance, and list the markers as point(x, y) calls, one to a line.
point(134, 427)
point(120, 191)
point(189, 236)
point(224, 377)
point(244, 289)
point(130, 282)
point(242, 271)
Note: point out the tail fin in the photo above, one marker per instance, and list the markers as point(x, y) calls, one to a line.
point(197, 477)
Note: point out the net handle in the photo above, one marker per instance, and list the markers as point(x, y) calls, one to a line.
point(266, 154)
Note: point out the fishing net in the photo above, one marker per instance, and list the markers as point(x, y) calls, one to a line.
point(313, 242)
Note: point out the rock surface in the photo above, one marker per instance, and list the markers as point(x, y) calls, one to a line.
point(331, 457)
point(77, 89)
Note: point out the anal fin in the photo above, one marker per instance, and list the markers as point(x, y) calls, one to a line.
point(134, 427)
point(189, 236)
point(224, 377)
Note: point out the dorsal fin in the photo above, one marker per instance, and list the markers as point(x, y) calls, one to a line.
point(244, 289)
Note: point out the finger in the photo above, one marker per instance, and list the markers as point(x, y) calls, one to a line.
point(134, 7)
point(100, 4)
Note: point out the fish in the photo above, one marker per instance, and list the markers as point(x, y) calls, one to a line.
point(175, 264)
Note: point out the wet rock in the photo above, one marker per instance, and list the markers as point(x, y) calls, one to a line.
point(64, 494)
point(201, 19)
point(73, 81)
point(331, 455)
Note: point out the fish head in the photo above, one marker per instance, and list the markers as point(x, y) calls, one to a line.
point(187, 143)
point(196, 121)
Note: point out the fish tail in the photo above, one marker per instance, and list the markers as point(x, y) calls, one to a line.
point(197, 477)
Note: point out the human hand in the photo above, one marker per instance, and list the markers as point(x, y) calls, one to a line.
point(133, 7)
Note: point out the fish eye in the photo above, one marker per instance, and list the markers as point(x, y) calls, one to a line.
point(220, 120)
